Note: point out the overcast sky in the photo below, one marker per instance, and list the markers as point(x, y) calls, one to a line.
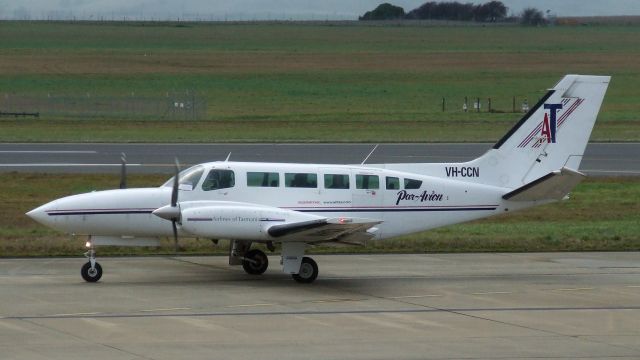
point(271, 9)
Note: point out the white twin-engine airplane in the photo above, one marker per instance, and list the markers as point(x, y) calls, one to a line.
point(298, 205)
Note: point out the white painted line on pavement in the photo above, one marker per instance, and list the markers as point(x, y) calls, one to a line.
point(573, 289)
point(248, 305)
point(61, 165)
point(77, 314)
point(48, 152)
point(414, 296)
point(166, 309)
point(492, 292)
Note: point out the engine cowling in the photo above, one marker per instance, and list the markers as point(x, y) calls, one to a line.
point(239, 222)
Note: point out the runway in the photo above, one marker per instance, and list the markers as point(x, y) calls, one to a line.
point(601, 159)
point(435, 306)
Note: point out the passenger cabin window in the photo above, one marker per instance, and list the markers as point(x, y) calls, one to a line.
point(219, 179)
point(300, 180)
point(412, 184)
point(336, 181)
point(367, 182)
point(393, 183)
point(263, 179)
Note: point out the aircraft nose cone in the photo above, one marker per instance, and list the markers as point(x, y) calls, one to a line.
point(39, 214)
point(167, 212)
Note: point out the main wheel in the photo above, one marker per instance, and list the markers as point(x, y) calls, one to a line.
point(308, 271)
point(89, 274)
point(255, 262)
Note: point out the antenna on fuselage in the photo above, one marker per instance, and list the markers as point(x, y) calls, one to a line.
point(367, 158)
point(228, 156)
point(123, 171)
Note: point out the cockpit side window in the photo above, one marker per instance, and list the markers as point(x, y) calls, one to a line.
point(219, 179)
point(189, 178)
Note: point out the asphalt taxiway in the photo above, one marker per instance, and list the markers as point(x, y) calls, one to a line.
point(434, 306)
point(600, 159)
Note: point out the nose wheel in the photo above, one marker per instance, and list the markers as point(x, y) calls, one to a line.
point(91, 271)
point(91, 274)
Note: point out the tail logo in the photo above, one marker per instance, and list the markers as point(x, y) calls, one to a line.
point(550, 123)
point(546, 130)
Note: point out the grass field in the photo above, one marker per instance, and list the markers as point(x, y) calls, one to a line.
point(602, 214)
point(311, 82)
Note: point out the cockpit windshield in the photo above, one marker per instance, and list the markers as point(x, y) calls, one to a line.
point(189, 178)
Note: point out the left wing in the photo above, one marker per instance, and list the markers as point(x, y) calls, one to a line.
point(340, 229)
point(246, 221)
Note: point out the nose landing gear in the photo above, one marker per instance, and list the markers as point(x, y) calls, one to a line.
point(91, 271)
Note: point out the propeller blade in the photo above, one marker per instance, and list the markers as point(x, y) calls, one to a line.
point(176, 183)
point(123, 171)
point(175, 235)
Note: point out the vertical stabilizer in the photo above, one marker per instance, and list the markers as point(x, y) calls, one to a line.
point(551, 136)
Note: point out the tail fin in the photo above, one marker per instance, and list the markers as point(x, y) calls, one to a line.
point(551, 136)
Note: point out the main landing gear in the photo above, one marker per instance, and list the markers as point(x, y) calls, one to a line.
point(91, 271)
point(301, 268)
point(308, 271)
point(255, 262)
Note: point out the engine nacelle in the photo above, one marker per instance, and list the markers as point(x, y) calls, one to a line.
point(238, 222)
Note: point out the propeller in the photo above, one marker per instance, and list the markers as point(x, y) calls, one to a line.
point(174, 204)
point(123, 171)
point(172, 211)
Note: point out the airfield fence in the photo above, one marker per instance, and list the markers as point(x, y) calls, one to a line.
point(514, 104)
point(186, 105)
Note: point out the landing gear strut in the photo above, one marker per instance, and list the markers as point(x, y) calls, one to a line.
point(91, 271)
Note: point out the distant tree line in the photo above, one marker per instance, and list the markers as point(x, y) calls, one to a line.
point(488, 12)
point(532, 17)
point(384, 11)
point(492, 11)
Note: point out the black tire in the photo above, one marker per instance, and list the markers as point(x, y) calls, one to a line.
point(259, 262)
point(89, 275)
point(308, 271)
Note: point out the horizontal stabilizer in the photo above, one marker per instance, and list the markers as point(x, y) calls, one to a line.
point(553, 186)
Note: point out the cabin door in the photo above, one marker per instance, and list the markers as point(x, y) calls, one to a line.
point(367, 191)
